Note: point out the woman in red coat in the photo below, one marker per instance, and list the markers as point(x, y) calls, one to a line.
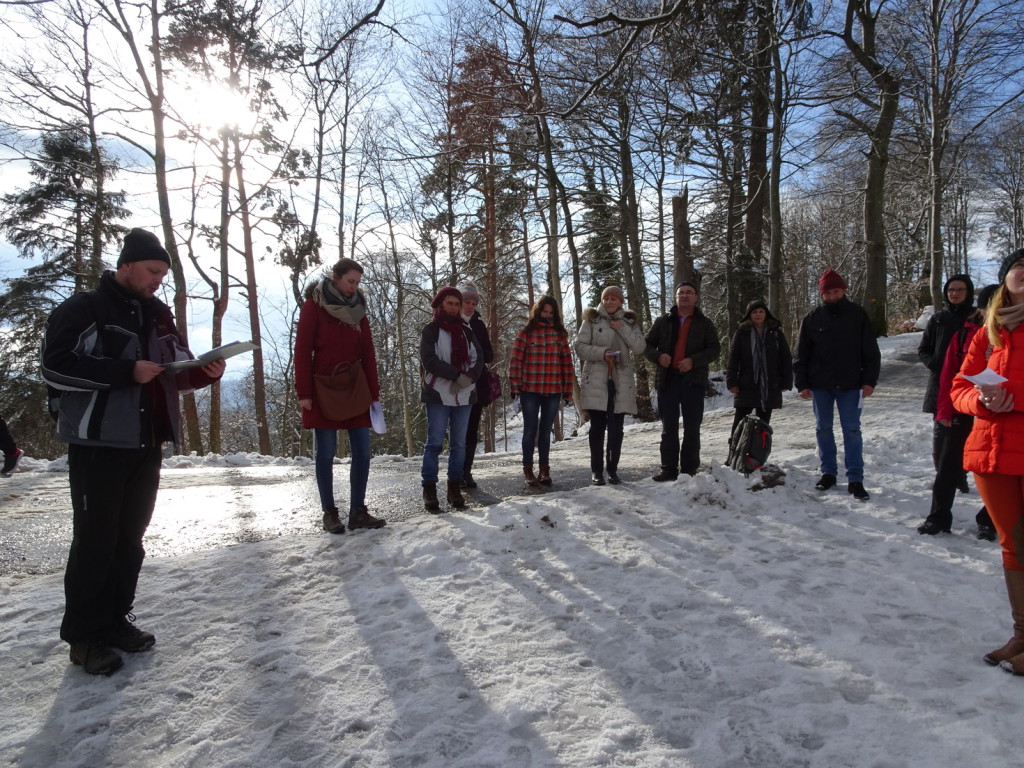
point(333, 329)
point(994, 451)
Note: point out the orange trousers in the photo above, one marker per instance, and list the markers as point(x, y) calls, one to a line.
point(1004, 498)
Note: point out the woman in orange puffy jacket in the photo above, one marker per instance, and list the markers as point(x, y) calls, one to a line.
point(995, 448)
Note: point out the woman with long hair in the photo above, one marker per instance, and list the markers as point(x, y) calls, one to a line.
point(332, 331)
point(994, 451)
point(607, 339)
point(540, 374)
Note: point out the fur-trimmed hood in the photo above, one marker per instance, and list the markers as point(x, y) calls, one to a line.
point(769, 323)
point(593, 314)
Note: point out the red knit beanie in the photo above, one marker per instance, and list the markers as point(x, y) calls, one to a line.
point(831, 279)
point(440, 296)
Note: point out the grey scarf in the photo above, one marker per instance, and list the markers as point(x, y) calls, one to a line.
point(760, 365)
point(349, 311)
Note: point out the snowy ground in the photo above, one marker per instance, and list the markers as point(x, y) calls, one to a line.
point(700, 623)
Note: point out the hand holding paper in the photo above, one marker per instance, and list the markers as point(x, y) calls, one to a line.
point(220, 353)
point(988, 376)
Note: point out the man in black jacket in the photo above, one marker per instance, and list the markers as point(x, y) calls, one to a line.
point(682, 344)
point(105, 350)
point(837, 364)
point(942, 327)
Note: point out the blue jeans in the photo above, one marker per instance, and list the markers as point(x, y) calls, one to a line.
point(848, 402)
point(539, 413)
point(358, 473)
point(441, 419)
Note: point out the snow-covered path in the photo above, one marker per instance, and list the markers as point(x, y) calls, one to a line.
point(699, 623)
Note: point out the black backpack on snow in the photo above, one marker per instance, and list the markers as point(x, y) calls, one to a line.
point(749, 445)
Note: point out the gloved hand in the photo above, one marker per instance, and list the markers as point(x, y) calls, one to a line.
point(460, 383)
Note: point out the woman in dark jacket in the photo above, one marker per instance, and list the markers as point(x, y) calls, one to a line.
point(760, 364)
point(333, 329)
point(470, 301)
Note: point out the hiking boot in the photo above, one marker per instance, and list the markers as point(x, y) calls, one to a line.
point(531, 479)
point(544, 476)
point(430, 497)
point(665, 476)
point(986, 532)
point(455, 497)
point(857, 489)
point(128, 637)
point(95, 657)
point(596, 478)
point(613, 478)
point(467, 480)
point(932, 526)
point(360, 517)
point(826, 482)
point(332, 522)
point(11, 461)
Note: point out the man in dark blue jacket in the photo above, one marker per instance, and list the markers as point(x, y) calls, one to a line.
point(837, 365)
point(105, 350)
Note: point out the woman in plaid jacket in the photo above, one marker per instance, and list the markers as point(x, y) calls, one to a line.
point(540, 375)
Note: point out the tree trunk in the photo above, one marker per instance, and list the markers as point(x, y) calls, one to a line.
point(252, 298)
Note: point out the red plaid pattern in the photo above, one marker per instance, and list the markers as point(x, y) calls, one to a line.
point(541, 362)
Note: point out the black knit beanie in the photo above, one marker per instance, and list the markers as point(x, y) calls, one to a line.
point(140, 245)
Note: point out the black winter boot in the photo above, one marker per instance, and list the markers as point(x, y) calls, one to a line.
point(467, 469)
point(430, 497)
point(455, 497)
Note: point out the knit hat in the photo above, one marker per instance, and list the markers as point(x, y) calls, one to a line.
point(614, 290)
point(692, 285)
point(985, 295)
point(440, 296)
point(1008, 262)
point(469, 291)
point(140, 245)
point(831, 279)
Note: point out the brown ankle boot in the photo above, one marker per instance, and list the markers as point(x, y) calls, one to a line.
point(1014, 647)
point(332, 523)
point(531, 479)
point(360, 517)
point(430, 497)
point(455, 497)
point(545, 474)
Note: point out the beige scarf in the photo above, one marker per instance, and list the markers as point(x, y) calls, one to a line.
point(1011, 317)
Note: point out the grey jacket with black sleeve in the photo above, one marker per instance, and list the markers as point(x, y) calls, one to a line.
point(90, 347)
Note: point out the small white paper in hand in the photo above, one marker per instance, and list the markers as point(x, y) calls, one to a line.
point(377, 418)
point(988, 376)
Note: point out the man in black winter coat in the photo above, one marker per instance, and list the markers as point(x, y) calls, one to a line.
point(942, 327)
point(682, 344)
point(837, 365)
point(105, 350)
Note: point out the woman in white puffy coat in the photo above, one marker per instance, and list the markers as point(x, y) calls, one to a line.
point(607, 339)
